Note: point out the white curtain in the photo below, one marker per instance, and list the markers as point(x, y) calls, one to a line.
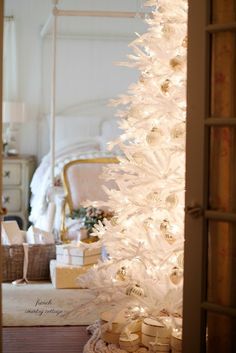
point(10, 74)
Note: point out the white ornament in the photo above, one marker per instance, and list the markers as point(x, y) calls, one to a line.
point(135, 291)
point(178, 131)
point(154, 136)
point(171, 201)
point(121, 274)
point(148, 223)
point(176, 275)
point(138, 157)
point(153, 196)
point(165, 229)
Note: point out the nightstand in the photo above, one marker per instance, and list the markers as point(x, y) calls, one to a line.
point(17, 174)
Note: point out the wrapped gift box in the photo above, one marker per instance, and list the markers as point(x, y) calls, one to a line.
point(65, 276)
point(77, 255)
point(11, 233)
point(38, 236)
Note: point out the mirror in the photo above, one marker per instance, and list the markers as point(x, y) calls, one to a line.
point(86, 76)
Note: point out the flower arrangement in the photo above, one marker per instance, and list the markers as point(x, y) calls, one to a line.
point(89, 216)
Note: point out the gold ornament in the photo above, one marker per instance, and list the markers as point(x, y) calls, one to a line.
point(176, 275)
point(176, 63)
point(154, 136)
point(165, 86)
point(178, 132)
point(114, 220)
point(138, 157)
point(168, 30)
point(135, 291)
point(121, 274)
point(166, 231)
point(147, 223)
point(171, 201)
point(154, 196)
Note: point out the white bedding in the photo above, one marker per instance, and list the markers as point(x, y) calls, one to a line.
point(40, 184)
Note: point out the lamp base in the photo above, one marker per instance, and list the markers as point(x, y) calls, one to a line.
point(12, 152)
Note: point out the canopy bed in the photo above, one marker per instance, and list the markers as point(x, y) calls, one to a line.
point(80, 131)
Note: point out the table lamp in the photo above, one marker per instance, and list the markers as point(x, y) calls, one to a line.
point(13, 114)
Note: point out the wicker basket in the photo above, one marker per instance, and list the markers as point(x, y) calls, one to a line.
point(39, 256)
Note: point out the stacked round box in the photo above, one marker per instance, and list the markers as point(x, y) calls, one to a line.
point(118, 323)
point(129, 343)
point(155, 335)
point(176, 342)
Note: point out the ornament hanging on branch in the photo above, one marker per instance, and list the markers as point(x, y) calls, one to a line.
point(121, 274)
point(154, 136)
point(166, 232)
point(176, 275)
point(171, 201)
point(135, 291)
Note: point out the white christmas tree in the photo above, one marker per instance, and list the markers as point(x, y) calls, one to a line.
point(144, 239)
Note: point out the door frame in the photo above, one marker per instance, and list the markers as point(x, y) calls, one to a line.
point(1, 80)
point(196, 183)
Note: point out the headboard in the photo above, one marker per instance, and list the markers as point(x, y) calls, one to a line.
point(89, 120)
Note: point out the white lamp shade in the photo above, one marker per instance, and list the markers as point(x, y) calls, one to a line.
point(13, 112)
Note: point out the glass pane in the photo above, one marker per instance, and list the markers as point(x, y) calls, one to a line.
point(222, 171)
point(223, 11)
point(221, 336)
point(223, 77)
point(222, 263)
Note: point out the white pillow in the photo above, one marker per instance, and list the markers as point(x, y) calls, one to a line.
point(110, 131)
point(72, 129)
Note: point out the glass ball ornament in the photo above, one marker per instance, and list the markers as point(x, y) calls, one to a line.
point(138, 157)
point(153, 196)
point(165, 229)
point(135, 291)
point(168, 30)
point(147, 223)
point(176, 275)
point(165, 86)
point(171, 201)
point(177, 63)
point(114, 221)
point(154, 136)
point(121, 274)
point(178, 132)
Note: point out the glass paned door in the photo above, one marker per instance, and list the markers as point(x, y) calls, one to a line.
point(210, 246)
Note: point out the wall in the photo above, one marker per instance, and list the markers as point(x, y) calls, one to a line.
point(87, 49)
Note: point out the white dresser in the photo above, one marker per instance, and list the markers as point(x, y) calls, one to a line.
point(17, 174)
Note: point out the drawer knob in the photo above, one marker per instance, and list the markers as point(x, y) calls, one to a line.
point(5, 199)
point(6, 174)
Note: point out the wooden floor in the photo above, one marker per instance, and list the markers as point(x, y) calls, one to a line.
point(60, 339)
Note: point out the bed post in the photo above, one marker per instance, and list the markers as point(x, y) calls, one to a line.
point(53, 91)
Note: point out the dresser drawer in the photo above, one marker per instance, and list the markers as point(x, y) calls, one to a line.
point(11, 173)
point(11, 199)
